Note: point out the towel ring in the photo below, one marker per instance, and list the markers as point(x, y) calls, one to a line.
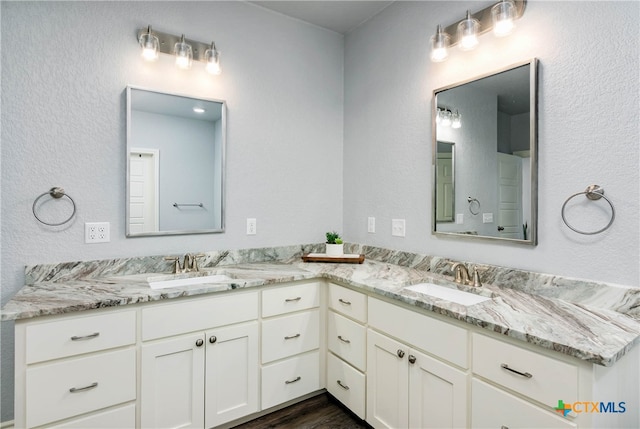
point(471, 201)
point(594, 193)
point(57, 193)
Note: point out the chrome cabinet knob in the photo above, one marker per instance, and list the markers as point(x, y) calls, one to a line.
point(412, 359)
point(199, 342)
point(213, 339)
point(400, 353)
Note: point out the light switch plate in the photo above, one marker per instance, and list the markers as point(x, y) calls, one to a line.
point(371, 225)
point(459, 218)
point(398, 227)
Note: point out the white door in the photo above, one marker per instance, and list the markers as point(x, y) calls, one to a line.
point(444, 188)
point(172, 390)
point(143, 190)
point(232, 372)
point(387, 382)
point(509, 196)
point(437, 394)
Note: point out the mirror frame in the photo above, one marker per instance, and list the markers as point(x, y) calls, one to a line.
point(129, 146)
point(533, 147)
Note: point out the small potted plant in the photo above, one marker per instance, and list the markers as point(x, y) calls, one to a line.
point(335, 246)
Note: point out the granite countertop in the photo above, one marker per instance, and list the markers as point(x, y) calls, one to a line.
point(597, 335)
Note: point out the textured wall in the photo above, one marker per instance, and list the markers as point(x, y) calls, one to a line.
point(588, 130)
point(65, 66)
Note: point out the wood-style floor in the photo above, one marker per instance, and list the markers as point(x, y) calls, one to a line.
point(319, 412)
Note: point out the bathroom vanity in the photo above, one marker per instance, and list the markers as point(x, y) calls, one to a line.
point(109, 351)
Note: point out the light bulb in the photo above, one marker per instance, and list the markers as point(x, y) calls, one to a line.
point(439, 116)
point(439, 46)
point(503, 15)
point(150, 46)
point(446, 118)
point(456, 120)
point(184, 54)
point(212, 58)
point(468, 33)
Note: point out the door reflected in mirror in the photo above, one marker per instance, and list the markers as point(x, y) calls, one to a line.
point(175, 164)
point(489, 123)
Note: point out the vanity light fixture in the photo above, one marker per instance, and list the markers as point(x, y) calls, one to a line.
point(150, 45)
point(468, 33)
point(498, 17)
point(447, 118)
point(185, 50)
point(456, 120)
point(198, 110)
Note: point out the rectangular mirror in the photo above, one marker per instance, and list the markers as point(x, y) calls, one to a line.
point(487, 127)
point(175, 164)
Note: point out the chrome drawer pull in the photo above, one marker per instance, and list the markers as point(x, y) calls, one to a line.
point(343, 340)
point(298, 378)
point(291, 337)
point(85, 337)
point(342, 385)
point(344, 302)
point(81, 389)
point(293, 299)
point(523, 374)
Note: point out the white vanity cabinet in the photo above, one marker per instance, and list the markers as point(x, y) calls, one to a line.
point(71, 370)
point(347, 347)
point(290, 354)
point(405, 386)
point(208, 376)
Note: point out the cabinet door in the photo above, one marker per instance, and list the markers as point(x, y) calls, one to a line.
point(232, 371)
point(172, 391)
point(387, 382)
point(437, 393)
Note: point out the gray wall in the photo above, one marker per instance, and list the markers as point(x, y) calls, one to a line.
point(65, 67)
point(585, 68)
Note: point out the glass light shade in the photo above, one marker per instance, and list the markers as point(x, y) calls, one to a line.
point(503, 14)
point(150, 46)
point(468, 30)
point(212, 59)
point(184, 54)
point(439, 46)
point(456, 120)
point(446, 118)
point(438, 117)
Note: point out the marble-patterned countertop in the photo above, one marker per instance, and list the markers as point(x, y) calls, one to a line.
point(597, 335)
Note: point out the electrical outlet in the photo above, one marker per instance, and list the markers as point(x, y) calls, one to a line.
point(97, 232)
point(251, 226)
point(397, 227)
point(487, 217)
point(371, 225)
point(459, 218)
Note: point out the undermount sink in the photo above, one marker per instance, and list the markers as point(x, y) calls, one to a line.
point(157, 283)
point(446, 293)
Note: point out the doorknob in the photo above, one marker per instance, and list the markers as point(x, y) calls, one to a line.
point(500, 228)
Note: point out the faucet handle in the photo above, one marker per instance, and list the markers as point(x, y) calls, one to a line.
point(194, 261)
point(175, 267)
point(476, 276)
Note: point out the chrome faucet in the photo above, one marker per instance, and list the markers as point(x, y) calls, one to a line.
point(190, 263)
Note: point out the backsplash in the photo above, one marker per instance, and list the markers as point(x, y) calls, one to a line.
point(623, 299)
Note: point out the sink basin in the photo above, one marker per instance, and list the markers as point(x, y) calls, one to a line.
point(446, 293)
point(188, 281)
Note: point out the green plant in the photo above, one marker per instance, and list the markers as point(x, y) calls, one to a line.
point(333, 238)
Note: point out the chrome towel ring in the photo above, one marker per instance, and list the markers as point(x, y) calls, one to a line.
point(594, 193)
point(57, 193)
point(473, 201)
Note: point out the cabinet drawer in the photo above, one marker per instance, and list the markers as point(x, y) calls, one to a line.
point(348, 302)
point(289, 379)
point(347, 384)
point(429, 334)
point(347, 339)
point(118, 418)
point(550, 379)
point(77, 335)
point(494, 408)
point(199, 314)
point(289, 335)
point(108, 379)
point(291, 298)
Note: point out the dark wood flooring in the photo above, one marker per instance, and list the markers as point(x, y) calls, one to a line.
point(320, 412)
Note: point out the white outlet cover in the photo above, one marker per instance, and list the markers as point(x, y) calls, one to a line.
point(398, 227)
point(251, 226)
point(487, 217)
point(459, 218)
point(371, 225)
point(97, 232)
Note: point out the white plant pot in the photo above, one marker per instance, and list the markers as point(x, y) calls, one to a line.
point(335, 249)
